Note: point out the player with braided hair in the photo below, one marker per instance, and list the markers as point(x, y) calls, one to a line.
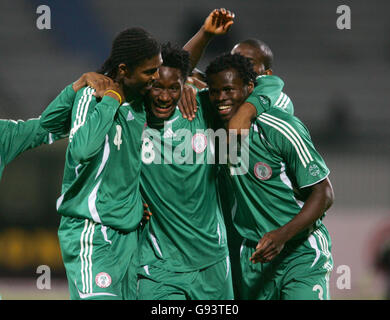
point(100, 202)
point(130, 48)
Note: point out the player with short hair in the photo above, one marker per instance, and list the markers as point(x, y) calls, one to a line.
point(183, 250)
point(100, 202)
point(283, 197)
point(257, 51)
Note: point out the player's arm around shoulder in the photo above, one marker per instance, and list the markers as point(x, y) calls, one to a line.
point(93, 114)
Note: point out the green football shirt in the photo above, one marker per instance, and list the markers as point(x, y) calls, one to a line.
point(186, 231)
point(103, 163)
point(268, 91)
point(19, 136)
point(282, 162)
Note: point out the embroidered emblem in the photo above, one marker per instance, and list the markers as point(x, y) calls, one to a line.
point(262, 171)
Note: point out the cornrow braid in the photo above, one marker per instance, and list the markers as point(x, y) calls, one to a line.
point(131, 47)
point(175, 57)
point(242, 65)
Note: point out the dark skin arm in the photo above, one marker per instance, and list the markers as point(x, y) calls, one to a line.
point(218, 22)
point(243, 118)
point(271, 244)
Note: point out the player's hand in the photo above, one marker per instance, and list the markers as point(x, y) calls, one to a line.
point(187, 104)
point(147, 214)
point(88, 79)
point(269, 246)
point(219, 21)
point(197, 83)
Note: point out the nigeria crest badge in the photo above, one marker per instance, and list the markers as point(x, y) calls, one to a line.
point(262, 171)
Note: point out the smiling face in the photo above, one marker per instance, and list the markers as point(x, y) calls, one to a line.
point(166, 92)
point(141, 78)
point(228, 92)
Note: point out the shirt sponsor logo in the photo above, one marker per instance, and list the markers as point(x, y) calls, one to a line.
point(103, 280)
point(262, 171)
point(199, 142)
point(314, 170)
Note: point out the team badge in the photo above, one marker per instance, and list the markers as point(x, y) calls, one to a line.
point(199, 142)
point(314, 170)
point(103, 280)
point(262, 171)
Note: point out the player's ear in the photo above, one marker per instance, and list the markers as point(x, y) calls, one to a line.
point(268, 72)
point(122, 70)
point(251, 86)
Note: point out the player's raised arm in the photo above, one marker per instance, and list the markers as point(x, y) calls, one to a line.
point(218, 22)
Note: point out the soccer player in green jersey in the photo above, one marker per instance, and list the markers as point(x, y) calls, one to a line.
point(100, 202)
point(183, 250)
point(267, 85)
point(281, 200)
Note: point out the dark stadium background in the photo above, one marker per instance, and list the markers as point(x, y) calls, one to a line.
point(337, 79)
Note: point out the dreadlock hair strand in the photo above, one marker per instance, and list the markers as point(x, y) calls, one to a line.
point(131, 47)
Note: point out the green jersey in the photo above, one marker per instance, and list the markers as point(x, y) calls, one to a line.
point(103, 164)
point(282, 162)
point(19, 136)
point(268, 91)
point(186, 231)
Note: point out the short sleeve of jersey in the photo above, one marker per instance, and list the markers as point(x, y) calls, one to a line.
point(289, 135)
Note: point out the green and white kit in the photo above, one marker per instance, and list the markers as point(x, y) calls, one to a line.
point(100, 202)
point(184, 242)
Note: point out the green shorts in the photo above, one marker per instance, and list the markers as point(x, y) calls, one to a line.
point(97, 260)
point(211, 283)
point(300, 272)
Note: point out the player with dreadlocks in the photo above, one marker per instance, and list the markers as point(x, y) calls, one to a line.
point(183, 250)
point(282, 199)
point(100, 202)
